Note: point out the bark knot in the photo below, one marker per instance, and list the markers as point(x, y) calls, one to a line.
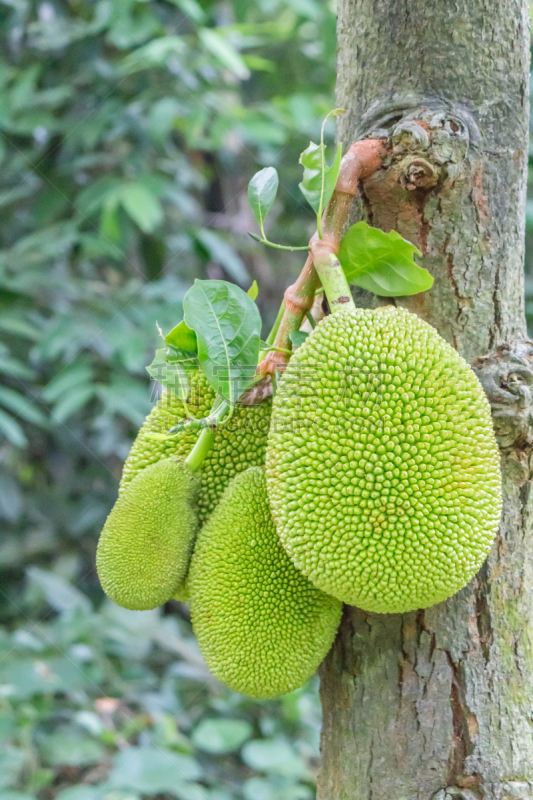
point(506, 375)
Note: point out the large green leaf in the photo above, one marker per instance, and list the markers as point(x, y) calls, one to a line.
point(228, 326)
point(382, 262)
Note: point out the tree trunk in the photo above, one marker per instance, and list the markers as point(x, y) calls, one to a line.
point(439, 703)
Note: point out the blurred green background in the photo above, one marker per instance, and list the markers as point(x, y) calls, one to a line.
point(129, 131)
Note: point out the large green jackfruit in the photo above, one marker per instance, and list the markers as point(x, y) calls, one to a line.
point(262, 627)
point(237, 446)
point(145, 546)
point(382, 467)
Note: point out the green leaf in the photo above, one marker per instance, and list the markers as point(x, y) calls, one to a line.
point(26, 677)
point(157, 53)
point(60, 594)
point(73, 401)
point(319, 179)
point(95, 196)
point(222, 253)
point(264, 789)
point(253, 291)
point(22, 406)
point(182, 337)
point(77, 374)
point(298, 337)
point(67, 749)
point(382, 262)
point(142, 205)
point(109, 223)
point(94, 792)
point(150, 770)
point(228, 325)
point(262, 191)
point(274, 755)
point(18, 325)
point(191, 8)
point(173, 375)
point(220, 47)
point(219, 736)
point(15, 368)
point(12, 761)
point(14, 795)
point(12, 430)
point(181, 361)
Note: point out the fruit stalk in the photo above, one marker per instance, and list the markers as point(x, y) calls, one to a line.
point(362, 159)
point(332, 277)
point(201, 448)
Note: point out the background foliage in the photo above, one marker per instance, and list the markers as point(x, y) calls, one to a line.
point(129, 131)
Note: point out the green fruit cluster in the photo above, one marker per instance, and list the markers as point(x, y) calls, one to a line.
point(238, 445)
point(382, 490)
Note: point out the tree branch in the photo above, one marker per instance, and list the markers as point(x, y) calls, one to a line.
point(362, 159)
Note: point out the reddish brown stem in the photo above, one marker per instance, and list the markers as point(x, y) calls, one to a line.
point(362, 159)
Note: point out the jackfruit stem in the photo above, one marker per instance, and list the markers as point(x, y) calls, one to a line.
point(272, 335)
point(201, 448)
point(363, 158)
point(332, 277)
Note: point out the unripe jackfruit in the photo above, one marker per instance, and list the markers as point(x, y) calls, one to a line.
point(240, 444)
point(145, 547)
point(382, 467)
point(262, 627)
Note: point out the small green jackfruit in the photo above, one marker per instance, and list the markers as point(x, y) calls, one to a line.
point(238, 445)
point(383, 471)
point(145, 546)
point(262, 627)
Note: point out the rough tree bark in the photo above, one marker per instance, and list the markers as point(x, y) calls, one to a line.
point(439, 703)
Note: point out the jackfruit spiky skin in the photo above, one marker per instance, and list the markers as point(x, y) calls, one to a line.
point(237, 446)
point(382, 467)
point(262, 627)
point(145, 546)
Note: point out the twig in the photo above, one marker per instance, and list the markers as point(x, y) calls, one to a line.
point(362, 160)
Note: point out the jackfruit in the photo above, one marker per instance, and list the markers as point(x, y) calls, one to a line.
point(240, 444)
point(383, 471)
point(262, 627)
point(145, 546)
